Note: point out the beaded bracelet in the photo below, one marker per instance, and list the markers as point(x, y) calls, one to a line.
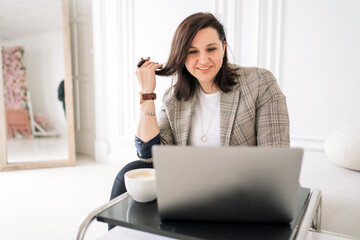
point(148, 113)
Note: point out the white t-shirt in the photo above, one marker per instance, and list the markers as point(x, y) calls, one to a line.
point(206, 120)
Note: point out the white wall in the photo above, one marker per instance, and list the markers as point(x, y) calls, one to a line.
point(44, 66)
point(311, 47)
point(320, 67)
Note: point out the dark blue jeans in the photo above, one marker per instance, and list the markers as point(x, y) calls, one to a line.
point(119, 183)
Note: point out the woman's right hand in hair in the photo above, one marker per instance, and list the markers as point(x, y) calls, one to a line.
point(146, 75)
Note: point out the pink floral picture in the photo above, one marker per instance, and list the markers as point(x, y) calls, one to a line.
point(15, 86)
point(15, 91)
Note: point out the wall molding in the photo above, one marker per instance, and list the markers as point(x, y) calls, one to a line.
point(115, 86)
point(267, 22)
point(100, 83)
point(101, 151)
point(269, 35)
point(225, 11)
point(127, 79)
point(308, 143)
point(83, 76)
point(265, 17)
point(115, 81)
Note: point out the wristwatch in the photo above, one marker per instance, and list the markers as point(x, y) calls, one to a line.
point(147, 96)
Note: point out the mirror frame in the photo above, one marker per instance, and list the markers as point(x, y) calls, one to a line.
point(4, 165)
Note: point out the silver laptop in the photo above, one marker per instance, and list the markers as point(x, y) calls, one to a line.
point(247, 184)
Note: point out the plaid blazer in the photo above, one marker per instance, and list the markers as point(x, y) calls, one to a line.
point(253, 113)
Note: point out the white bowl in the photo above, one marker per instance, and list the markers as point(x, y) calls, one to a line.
point(140, 184)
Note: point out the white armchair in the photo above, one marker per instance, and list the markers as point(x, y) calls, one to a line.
point(343, 147)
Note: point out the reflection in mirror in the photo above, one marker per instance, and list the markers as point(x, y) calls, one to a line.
point(33, 67)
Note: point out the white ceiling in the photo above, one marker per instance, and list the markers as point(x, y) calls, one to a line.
point(21, 18)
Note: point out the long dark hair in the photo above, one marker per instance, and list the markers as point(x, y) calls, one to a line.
point(184, 35)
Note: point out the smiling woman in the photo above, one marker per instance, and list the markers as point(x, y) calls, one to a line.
point(205, 58)
point(34, 131)
point(212, 103)
point(199, 56)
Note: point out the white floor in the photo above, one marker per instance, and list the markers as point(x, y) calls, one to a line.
point(131, 234)
point(340, 188)
point(50, 203)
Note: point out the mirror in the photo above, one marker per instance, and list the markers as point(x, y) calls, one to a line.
point(36, 105)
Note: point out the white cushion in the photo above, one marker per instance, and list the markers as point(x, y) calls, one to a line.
point(343, 147)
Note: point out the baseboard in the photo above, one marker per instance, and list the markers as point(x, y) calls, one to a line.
point(310, 144)
point(101, 151)
point(126, 153)
point(123, 154)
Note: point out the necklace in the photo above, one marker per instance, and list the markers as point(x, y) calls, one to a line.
point(204, 137)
